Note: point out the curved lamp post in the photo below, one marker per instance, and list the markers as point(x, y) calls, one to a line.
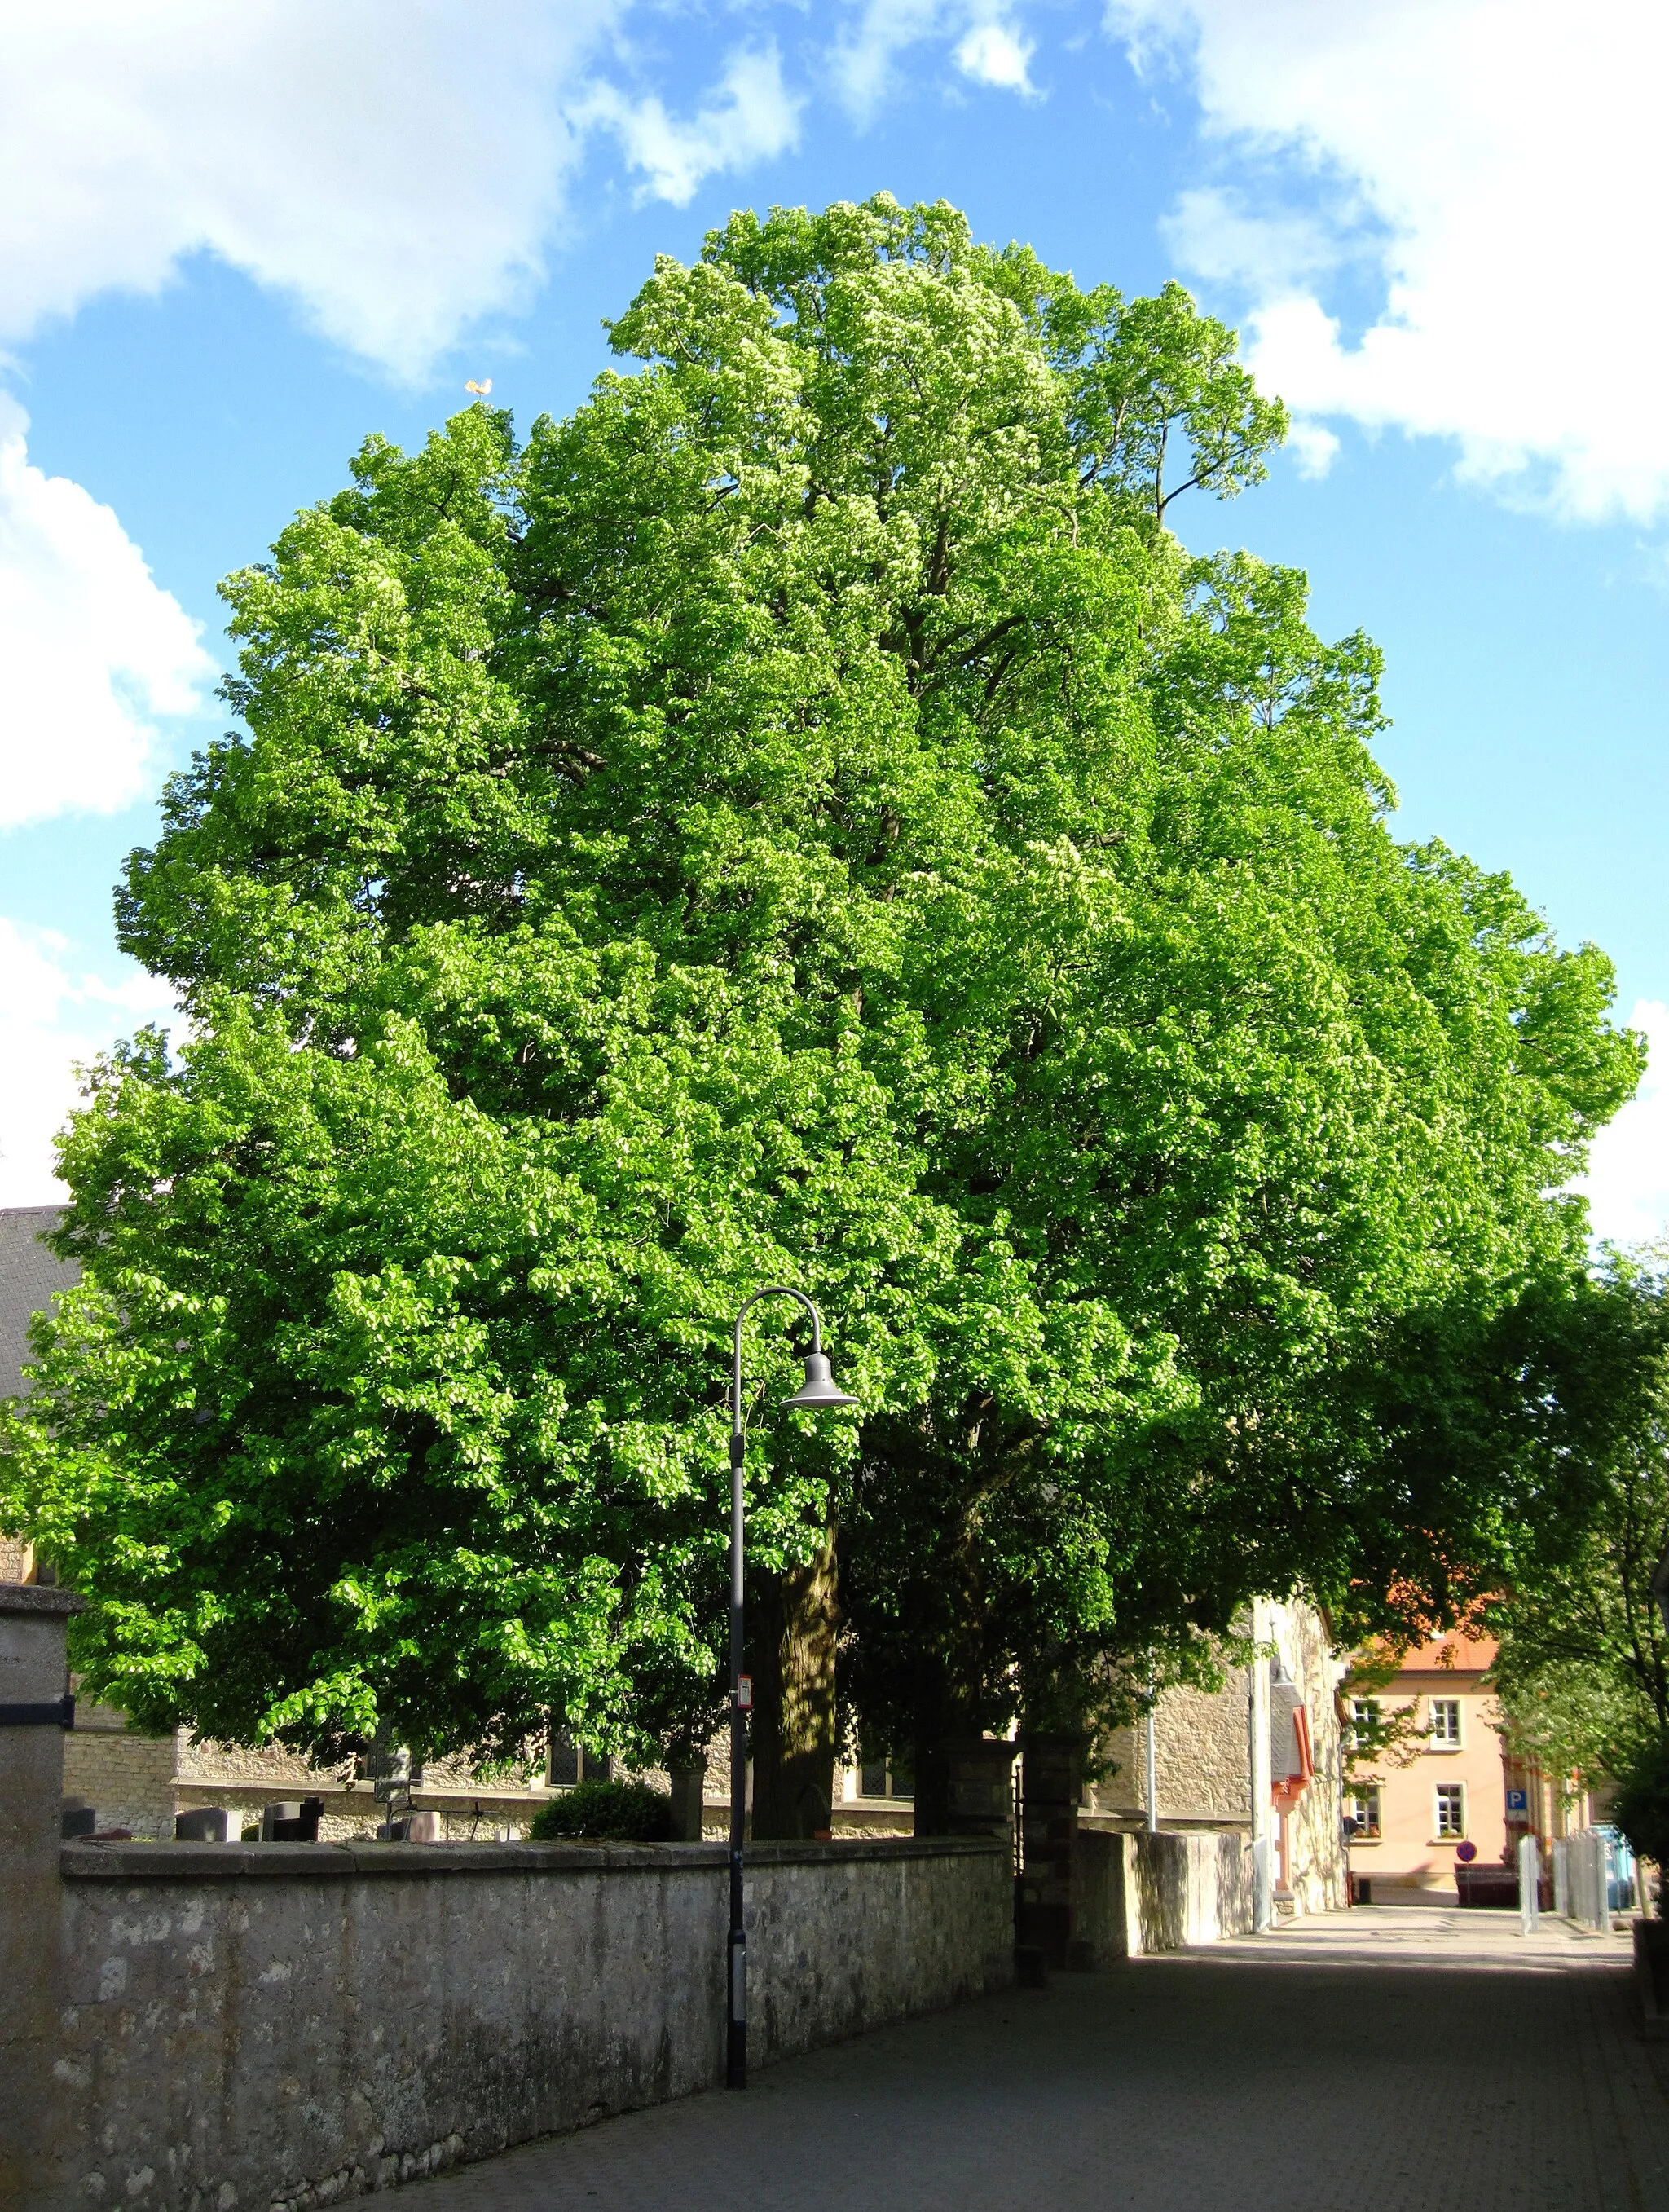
point(817, 1390)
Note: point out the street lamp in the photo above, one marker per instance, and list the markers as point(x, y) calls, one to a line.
point(817, 1390)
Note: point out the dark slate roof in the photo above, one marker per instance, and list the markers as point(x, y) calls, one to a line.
point(29, 1274)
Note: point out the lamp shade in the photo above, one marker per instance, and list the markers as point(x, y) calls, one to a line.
point(818, 1387)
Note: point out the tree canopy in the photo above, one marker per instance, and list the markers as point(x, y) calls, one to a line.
point(803, 816)
point(1583, 1673)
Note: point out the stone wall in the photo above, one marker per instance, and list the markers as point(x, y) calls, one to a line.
point(1199, 1753)
point(196, 2028)
point(284, 2024)
point(1140, 1893)
point(127, 1778)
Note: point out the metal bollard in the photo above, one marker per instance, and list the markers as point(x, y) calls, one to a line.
point(1529, 1858)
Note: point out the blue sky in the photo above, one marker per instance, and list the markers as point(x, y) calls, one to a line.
point(234, 240)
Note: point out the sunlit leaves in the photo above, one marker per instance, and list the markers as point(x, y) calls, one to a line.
point(800, 818)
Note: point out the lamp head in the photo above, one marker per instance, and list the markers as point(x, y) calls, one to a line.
point(818, 1387)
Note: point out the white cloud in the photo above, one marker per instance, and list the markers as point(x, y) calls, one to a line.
point(1314, 446)
point(992, 54)
point(863, 59)
point(984, 43)
point(1210, 232)
point(1628, 1180)
point(50, 1018)
point(754, 116)
point(91, 651)
point(394, 164)
point(1509, 153)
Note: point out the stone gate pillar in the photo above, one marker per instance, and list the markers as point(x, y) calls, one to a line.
point(1052, 1779)
point(34, 1711)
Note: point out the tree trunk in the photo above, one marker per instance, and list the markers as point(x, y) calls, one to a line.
point(929, 1750)
point(947, 1699)
point(793, 1733)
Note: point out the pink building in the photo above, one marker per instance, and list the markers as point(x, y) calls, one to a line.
point(1447, 1785)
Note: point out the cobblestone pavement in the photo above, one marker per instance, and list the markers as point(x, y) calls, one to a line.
point(1388, 2058)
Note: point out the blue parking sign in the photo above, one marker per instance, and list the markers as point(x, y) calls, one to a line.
point(1518, 1801)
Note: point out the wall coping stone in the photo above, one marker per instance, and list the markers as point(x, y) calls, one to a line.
point(197, 1862)
point(39, 1597)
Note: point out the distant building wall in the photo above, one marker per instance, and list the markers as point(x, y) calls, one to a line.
point(127, 1778)
point(1201, 1759)
point(1319, 1866)
point(1206, 1744)
point(1444, 1683)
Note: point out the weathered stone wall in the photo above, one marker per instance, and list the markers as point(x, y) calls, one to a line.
point(1321, 1862)
point(127, 1778)
point(1141, 1894)
point(285, 2024)
point(1199, 1753)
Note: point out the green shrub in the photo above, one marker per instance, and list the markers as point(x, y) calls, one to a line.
point(1641, 1809)
point(622, 1812)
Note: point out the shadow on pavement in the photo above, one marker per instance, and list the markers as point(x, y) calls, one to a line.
point(1392, 2060)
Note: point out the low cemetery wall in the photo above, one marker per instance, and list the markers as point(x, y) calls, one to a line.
point(283, 2024)
point(1140, 1893)
point(227, 2027)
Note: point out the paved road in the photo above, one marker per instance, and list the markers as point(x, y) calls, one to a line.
point(1396, 2059)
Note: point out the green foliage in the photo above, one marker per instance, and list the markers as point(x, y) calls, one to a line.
point(1641, 1808)
point(802, 817)
point(1379, 1733)
point(1582, 1675)
point(618, 1812)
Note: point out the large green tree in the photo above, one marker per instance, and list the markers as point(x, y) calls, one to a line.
point(803, 816)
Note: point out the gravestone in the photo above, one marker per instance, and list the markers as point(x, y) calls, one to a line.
point(292, 1822)
point(416, 1828)
point(688, 1789)
point(203, 1824)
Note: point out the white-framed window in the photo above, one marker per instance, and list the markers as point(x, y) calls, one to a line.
point(1451, 1810)
point(1364, 1720)
point(1443, 1723)
point(1364, 1809)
